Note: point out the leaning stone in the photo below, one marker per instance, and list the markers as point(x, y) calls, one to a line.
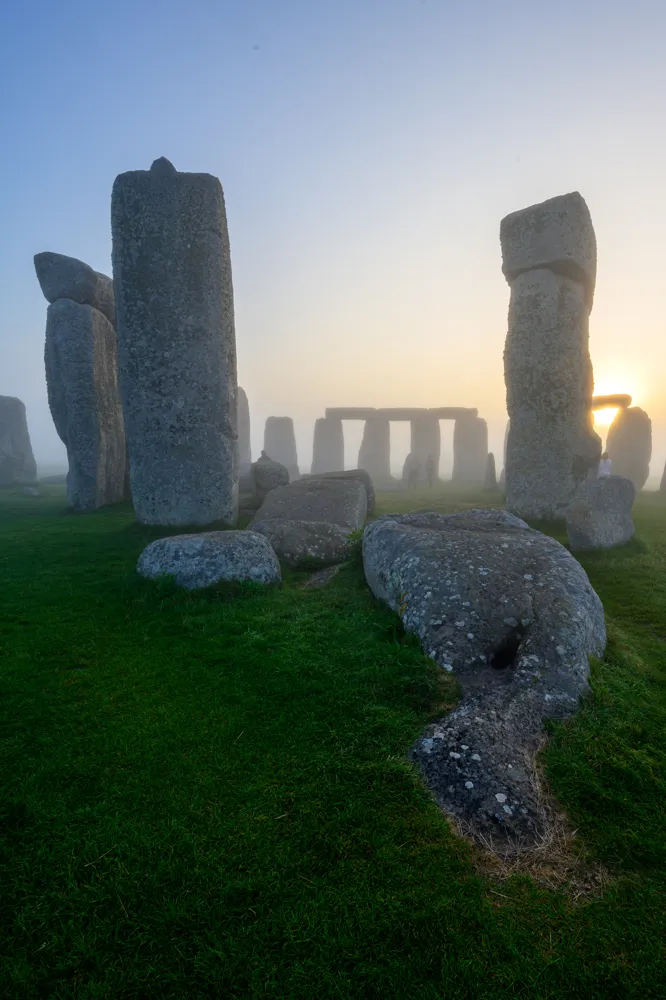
point(280, 443)
point(301, 543)
point(556, 234)
point(513, 615)
point(334, 501)
point(210, 557)
point(62, 277)
point(629, 445)
point(17, 462)
point(599, 516)
point(360, 474)
point(82, 387)
point(490, 480)
point(552, 444)
point(176, 344)
point(267, 475)
point(244, 449)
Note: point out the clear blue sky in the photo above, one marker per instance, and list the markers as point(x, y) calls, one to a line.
point(368, 150)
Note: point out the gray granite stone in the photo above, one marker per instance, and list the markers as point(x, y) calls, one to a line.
point(62, 277)
point(600, 514)
point(201, 560)
point(302, 543)
point(267, 475)
point(629, 445)
point(375, 452)
point(17, 462)
point(334, 501)
point(328, 449)
point(280, 444)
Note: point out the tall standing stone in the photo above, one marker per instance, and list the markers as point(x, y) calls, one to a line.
point(82, 388)
point(490, 480)
point(328, 450)
point(426, 442)
point(280, 444)
point(470, 450)
point(176, 344)
point(629, 445)
point(243, 426)
point(375, 452)
point(549, 259)
point(662, 484)
point(17, 462)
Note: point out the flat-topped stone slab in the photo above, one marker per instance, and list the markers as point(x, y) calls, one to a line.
point(209, 557)
point(335, 501)
point(359, 474)
point(400, 412)
point(301, 543)
point(619, 400)
point(350, 412)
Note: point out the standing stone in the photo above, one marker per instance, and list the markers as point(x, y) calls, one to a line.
point(375, 452)
point(549, 259)
point(629, 445)
point(470, 450)
point(17, 462)
point(599, 516)
point(328, 451)
point(62, 277)
point(243, 425)
point(82, 387)
point(662, 485)
point(490, 480)
point(176, 344)
point(426, 442)
point(280, 444)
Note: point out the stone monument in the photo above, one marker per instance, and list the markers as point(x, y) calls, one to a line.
point(280, 444)
point(17, 462)
point(328, 450)
point(629, 445)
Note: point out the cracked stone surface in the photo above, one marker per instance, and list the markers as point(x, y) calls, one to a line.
point(512, 614)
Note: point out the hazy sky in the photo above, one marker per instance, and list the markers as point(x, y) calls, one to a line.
point(368, 150)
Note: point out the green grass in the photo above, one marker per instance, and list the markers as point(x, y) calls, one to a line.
point(207, 795)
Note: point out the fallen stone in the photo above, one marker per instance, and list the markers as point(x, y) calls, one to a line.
point(176, 344)
point(267, 475)
point(301, 543)
point(513, 615)
point(629, 445)
point(359, 474)
point(62, 277)
point(17, 462)
point(334, 501)
point(82, 387)
point(201, 560)
point(556, 234)
point(599, 516)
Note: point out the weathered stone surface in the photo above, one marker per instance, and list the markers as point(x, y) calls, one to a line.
point(426, 443)
point(17, 462)
point(470, 450)
point(62, 277)
point(267, 475)
point(375, 452)
point(176, 344)
point(335, 501)
point(629, 445)
point(82, 385)
point(280, 443)
point(599, 516)
point(360, 474)
point(490, 480)
point(512, 613)
point(243, 427)
point(548, 373)
point(556, 234)
point(328, 451)
point(210, 557)
point(300, 543)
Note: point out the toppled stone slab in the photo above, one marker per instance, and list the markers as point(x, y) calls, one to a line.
point(301, 543)
point(600, 514)
point(17, 462)
point(359, 474)
point(334, 501)
point(512, 613)
point(62, 277)
point(201, 560)
point(556, 234)
point(629, 445)
point(267, 475)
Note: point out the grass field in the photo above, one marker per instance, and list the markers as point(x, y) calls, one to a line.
point(207, 795)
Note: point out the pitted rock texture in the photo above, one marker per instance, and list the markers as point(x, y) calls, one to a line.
point(267, 475)
point(82, 385)
point(300, 543)
point(360, 474)
point(599, 516)
point(176, 344)
point(201, 560)
point(334, 501)
point(629, 445)
point(512, 613)
point(62, 277)
point(17, 462)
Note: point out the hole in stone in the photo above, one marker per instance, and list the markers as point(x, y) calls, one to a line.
point(505, 652)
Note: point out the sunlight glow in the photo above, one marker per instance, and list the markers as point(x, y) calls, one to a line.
point(604, 418)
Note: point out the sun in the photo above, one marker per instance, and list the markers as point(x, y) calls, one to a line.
point(604, 418)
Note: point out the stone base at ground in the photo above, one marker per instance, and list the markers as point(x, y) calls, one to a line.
point(201, 560)
point(512, 613)
point(301, 543)
point(599, 516)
